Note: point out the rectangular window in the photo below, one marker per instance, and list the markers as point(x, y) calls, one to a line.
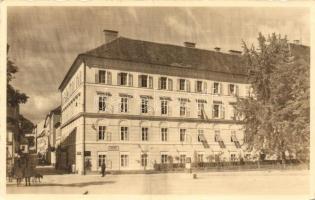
point(182, 83)
point(199, 86)
point(144, 160)
point(182, 158)
point(124, 105)
point(143, 81)
point(217, 137)
point(233, 157)
point(164, 107)
point(216, 88)
point(201, 110)
point(163, 81)
point(144, 134)
point(124, 133)
point(200, 135)
point(164, 134)
point(102, 103)
point(122, 78)
point(101, 159)
point(101, 132)
point(200, 158)
point(164, 158)
point(144, 105)
point(232, 89)
point(216, 111)
point(183, 108)
point(124, 160)
point(102, 76)
point(182, 135)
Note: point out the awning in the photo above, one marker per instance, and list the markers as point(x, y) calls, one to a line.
point(201, 101)
point(166, 98)
point(184, 99)
point(103, 93)
point(146, 96)
point(125, 95)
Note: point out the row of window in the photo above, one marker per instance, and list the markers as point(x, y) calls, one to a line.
point(124, 135)
point(164, 83)
point(218, 110)
point(72, 86)
point(165, 158)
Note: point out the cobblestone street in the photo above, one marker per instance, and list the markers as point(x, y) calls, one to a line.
point(207, 183)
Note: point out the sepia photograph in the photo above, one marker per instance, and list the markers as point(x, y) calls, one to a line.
point(149, 100)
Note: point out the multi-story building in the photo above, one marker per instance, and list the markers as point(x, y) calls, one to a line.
point(134, 104)
point(12, 144)
point(52, 118)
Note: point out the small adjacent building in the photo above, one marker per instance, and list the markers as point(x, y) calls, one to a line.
point(12, 144)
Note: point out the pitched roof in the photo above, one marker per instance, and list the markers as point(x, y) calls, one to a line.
point(170, 55)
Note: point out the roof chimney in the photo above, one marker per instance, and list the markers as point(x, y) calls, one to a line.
point(190, 44)
point(110, 35)
point(217, 49)
point(234, 52)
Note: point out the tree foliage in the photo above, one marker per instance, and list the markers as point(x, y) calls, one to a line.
point(276, 115)
point(14, 97)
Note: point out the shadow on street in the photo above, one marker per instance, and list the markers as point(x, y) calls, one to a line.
point(72, 184)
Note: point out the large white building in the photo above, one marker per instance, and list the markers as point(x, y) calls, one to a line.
point(134, 104)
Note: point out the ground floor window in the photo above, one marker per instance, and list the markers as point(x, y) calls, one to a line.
point(200, 158)
point(101, 159)
point(144, 160)
point(164, 158)
point(124, 160)
point(233, 157)
point(182, 158)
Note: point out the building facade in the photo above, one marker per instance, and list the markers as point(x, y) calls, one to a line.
point(12, 144)
point(134, 104)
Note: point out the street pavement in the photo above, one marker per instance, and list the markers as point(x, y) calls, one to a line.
point(288, 182)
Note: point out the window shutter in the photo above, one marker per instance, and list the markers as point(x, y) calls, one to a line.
point(109, 78)
point(150, 82)
point(118, 79)
point(188, 85)
point(212, 111)
point(222, 111)
point(96, 77)
point(196, 86)
point(220, 89)
point(130, 80)
point(178, 84)
point(205, 87)
point(212, 88)
point(170, 84)
point(139, 80)
point(159, 83)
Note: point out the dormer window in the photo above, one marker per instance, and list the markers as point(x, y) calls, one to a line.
point(145, 81)
point(233, 89)
point(102, 76)
point(199, 86)
point(216, 88)
point(122, 78)
point(182, 84)
point(163, 83)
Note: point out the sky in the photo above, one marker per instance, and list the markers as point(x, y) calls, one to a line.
point(44, 41)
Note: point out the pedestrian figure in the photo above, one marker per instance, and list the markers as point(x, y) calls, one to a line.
point(27, 173)
point(18, 172)
point(103, 169)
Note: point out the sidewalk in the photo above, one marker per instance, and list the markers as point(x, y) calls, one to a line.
point(212, 183)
